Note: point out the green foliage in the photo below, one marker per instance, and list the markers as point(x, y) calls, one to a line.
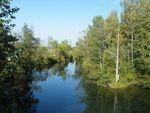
point(99, 50)
point(32, 54)
point(143, 81)
point(43, 57)
point(6, 38)
point(79, 51)
point(90, 68)
point(12, 67)
point(60, 52)
point(98, 47)
point(135, 27)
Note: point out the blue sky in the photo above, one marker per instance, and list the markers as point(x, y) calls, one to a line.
point(61, 19)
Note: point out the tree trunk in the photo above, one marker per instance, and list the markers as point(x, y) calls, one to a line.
point(132, 39)
point(117, 57)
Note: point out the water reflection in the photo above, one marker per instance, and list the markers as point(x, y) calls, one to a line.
point(17, 97)
point(63, 89)
point(59, 90)
point(104, 100)
point(56, 70)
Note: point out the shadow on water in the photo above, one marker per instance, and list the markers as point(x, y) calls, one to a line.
point(63, 89)
point(104, 100)
point(17, 97)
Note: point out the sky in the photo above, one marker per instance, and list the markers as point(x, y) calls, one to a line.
point(61, 19)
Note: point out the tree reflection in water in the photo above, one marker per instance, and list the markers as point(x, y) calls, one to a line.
point(56, 70)
point(104, 100)
point(17, 97)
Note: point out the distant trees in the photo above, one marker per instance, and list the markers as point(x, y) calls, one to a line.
point(33, 54)
point(118, 48)
point(60, 51)
point(80, 50)
point(29, 54)
point(21, 53)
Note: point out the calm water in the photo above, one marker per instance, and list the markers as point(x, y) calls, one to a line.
point(61, 89)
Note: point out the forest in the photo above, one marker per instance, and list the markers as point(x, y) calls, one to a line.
point(108, 64)
point(114, 52)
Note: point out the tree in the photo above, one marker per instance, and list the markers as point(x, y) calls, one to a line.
point(64, 50)
point(60, 51)
point(142, 41)
point(80, 50)
point(6, 38)
point(95, 41)
point(113, 42)
point(129, 23)
point(135, 28)
point(117, 55)
point(27, 47)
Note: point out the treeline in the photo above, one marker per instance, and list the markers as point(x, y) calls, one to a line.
point(41, 55)
point(29, 53)
point(115, 52)
point(20, 53)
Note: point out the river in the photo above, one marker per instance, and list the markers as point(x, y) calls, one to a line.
point(62, 89)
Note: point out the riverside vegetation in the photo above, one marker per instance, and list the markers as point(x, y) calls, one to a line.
point(114, 52)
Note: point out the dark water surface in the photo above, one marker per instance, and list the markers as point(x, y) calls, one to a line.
point(62, 89)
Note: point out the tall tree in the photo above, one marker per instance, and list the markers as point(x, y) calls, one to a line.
point(135, 28)
point(6, 38)
point(129, 23)
point(142, 41)
point(117, 55)
point(95, 41)
point(113, 41)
